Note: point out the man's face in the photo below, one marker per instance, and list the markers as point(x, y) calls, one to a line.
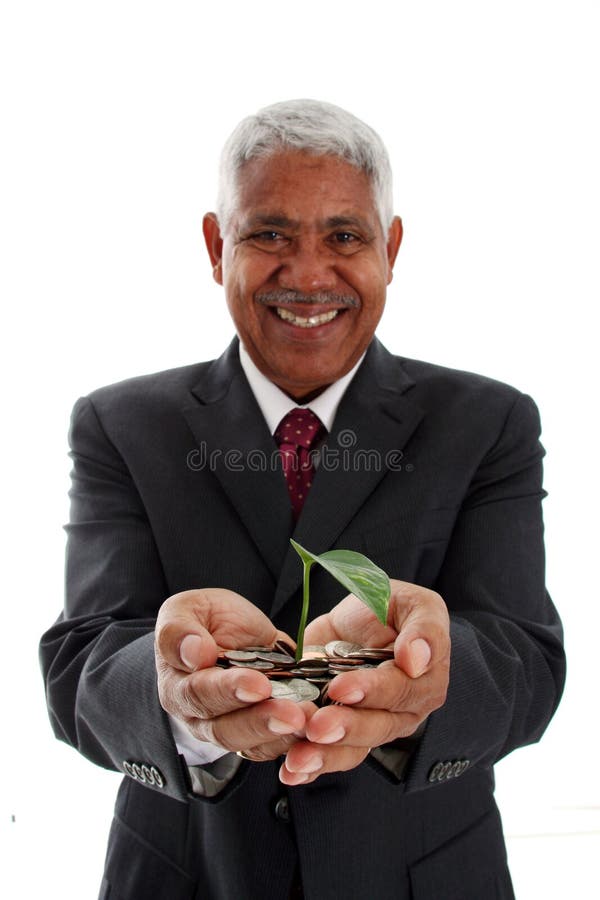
point(305, 267)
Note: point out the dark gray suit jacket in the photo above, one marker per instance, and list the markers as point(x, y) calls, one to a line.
point(438, 480)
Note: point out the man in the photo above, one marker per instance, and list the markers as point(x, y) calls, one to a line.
point(179, 544)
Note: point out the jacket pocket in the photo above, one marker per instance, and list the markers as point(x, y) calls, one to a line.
point(135, 869)
point(471, 866)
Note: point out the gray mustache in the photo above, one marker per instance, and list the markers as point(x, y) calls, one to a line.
point(283, 297)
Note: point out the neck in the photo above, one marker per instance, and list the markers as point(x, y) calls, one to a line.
point(306, 398)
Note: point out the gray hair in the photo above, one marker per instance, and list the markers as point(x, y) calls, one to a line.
point(313, 126)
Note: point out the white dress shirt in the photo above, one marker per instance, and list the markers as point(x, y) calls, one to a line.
point(274, 405)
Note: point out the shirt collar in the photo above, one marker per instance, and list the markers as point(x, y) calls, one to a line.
point(274, 404)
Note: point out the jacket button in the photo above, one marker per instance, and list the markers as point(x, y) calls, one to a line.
point(282, 809)
point(148, 776)
point(436, 772)
point(446, 772)
point(157, 775)
point(144, 774)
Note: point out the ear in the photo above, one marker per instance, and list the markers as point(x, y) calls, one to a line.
point(393, 244)
point(214, 244)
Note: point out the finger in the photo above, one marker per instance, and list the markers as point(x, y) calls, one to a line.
point(253, 726)
point(192, 624)
point(421, 618)
point(273, 749)
point(305, 763)
point(384, 687)
point(269, 750)
point(350, 620)
point(211, 692)
point(344, 726)
point(388, 688)
point(320, 631)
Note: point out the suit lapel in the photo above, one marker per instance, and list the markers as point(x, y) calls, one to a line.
point(374, 422)
point(234, 443)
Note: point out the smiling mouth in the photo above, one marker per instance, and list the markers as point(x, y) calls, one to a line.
point(306, 321)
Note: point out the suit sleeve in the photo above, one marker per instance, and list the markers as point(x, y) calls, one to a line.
point(507, 661)
point(98, 658)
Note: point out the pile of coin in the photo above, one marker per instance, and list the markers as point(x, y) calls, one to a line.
point(307, 679)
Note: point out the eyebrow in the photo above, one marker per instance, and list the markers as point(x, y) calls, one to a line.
point(278, 220)
point(274, 220)
point(347, 222)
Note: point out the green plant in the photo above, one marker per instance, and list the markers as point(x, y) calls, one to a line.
point(356, 572)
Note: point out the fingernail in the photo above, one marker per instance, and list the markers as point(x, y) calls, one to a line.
point(420, 653)
point(313, 764)
point(352, 697)
point(190, 651)
point(332, 736)
point(277, 726)
point(245, 696)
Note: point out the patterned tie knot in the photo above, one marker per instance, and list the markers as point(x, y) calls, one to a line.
point(301, 427)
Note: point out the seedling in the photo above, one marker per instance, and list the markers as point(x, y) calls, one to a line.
point(355, 572)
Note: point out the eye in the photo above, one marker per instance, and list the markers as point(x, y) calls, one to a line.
point(267, 236)
point(345, 240)
point(267, 240)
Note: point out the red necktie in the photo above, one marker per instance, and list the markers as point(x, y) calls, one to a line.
point(296, 434)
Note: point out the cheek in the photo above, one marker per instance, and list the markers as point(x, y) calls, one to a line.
point(245, 272)
point(370, 281)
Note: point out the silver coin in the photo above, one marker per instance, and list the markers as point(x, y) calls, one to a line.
point(304, 690)
point(295, 689)
point(314, 650)
point(341, 648)
point(260, 665)
point(281, 691)
point(282, 659)
point(240, 655)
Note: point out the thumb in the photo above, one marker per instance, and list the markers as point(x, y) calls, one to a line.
point(192, 625)
point(196, 651)
point(412, 654)
point(182, 643)
point(181, 637)
point(421, 619)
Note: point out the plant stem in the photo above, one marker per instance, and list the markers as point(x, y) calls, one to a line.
point(305, 602)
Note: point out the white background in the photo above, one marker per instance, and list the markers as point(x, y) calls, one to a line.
point(112, 117)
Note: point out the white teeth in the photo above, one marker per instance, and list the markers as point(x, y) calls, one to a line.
point(306, 322)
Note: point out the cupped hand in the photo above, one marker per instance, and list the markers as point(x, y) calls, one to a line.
point(231, 708)
point(377, 705)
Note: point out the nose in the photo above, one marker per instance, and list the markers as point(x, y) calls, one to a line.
point(309, 268)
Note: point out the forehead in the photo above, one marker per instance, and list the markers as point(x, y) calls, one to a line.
point(303, 186)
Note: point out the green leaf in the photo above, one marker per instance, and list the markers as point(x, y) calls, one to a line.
point(357, 573)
